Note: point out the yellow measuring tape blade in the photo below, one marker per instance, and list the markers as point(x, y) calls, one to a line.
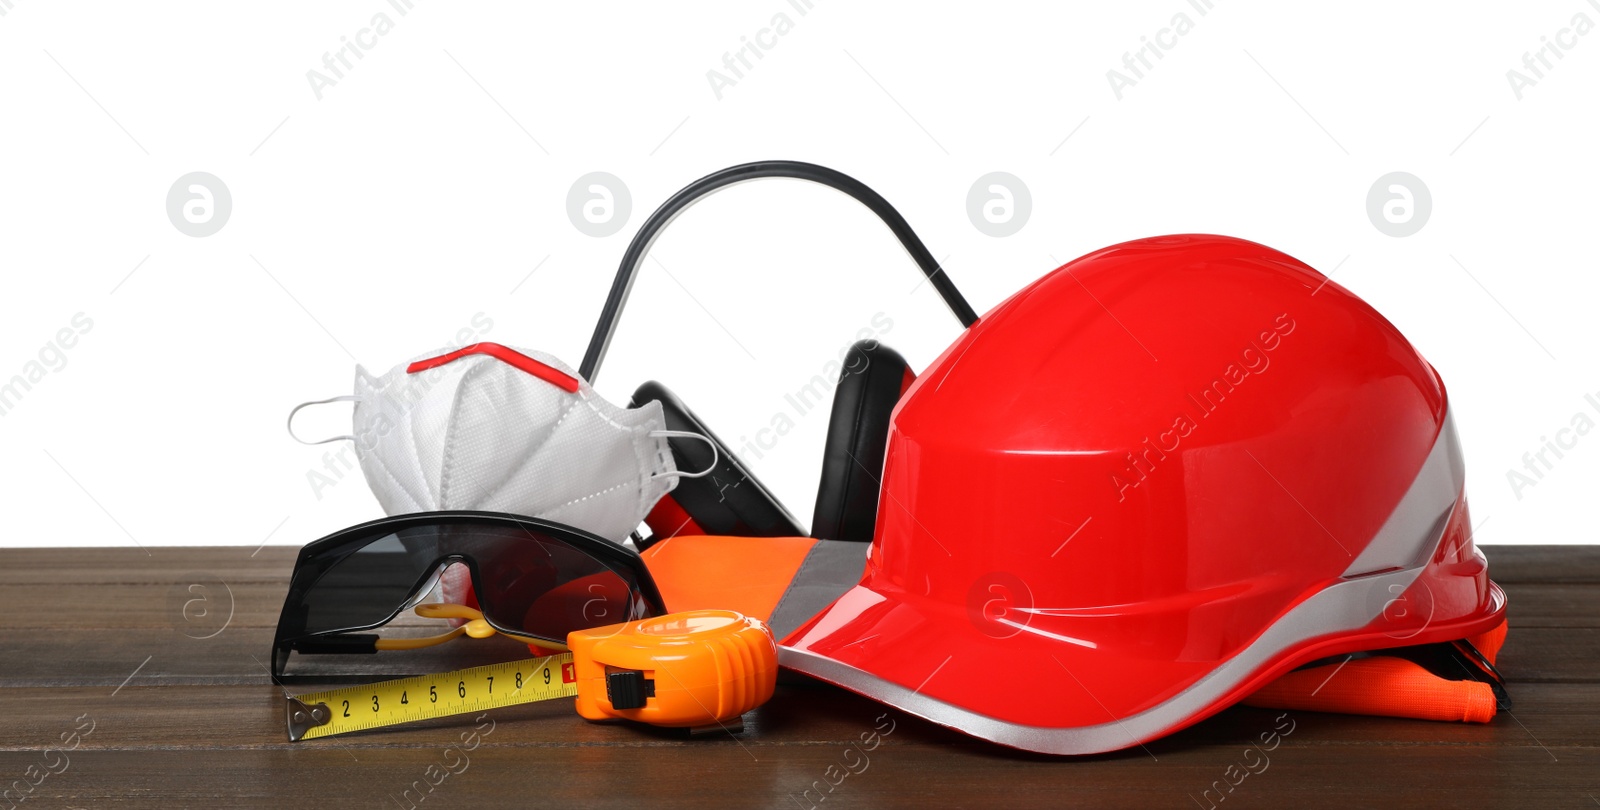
point(423, 697)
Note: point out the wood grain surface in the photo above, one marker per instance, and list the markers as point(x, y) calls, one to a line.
point(172, 707)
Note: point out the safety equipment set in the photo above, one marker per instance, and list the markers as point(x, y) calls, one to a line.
point(1170, 476)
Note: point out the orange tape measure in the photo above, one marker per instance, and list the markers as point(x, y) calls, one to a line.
point(694, 670)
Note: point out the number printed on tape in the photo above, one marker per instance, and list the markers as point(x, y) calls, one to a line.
point(424, 697)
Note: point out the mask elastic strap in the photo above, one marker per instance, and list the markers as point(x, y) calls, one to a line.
point(684, 434)
point(290, 423)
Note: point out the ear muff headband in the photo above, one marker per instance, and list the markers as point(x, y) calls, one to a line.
point(669, 210)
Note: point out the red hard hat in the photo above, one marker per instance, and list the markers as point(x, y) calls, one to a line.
point(1142, 487)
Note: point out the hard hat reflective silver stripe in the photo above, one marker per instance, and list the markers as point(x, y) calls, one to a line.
point(1403, 542)
point(830, 568)
point(1412, 532)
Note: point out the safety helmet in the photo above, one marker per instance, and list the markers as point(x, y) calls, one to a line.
point(1144, 486)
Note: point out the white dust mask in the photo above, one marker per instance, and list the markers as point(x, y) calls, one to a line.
point(491, 428)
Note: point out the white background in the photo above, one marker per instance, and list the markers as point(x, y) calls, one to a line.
point(424, 187)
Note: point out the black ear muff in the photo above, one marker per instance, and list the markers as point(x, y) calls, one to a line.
point(729, 501)
point(872, 381)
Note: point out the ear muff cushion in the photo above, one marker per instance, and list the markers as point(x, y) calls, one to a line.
point(872, 381)
point(729, 501)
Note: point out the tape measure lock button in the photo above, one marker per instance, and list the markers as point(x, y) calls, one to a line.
point(629, 689)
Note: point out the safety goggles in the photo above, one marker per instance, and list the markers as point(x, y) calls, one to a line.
point(534, 581)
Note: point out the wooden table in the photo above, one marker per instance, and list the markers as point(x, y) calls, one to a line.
point(155, 661)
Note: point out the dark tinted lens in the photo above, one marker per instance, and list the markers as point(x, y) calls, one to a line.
point(366, 587)
point(529, 582)
point(543, 587)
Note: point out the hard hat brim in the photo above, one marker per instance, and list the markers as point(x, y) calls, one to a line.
point(1019, 691)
